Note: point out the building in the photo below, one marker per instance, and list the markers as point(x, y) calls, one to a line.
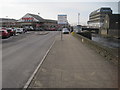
point(6, 22)
point(35, 22)
point(111, 26)
point(50, 24)
point(96, 18)
point(31, 21)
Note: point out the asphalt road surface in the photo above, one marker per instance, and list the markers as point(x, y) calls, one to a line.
point(21, 55)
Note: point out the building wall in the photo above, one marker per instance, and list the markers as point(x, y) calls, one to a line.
point(111, 26)
point(105, 27)
point(50, 25)
point(5, 22)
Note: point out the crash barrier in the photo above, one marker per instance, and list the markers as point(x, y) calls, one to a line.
point(110, 54)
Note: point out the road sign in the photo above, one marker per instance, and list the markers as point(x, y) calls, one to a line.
point(62, 19)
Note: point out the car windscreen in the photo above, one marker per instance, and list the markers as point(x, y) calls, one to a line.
point(65, 30)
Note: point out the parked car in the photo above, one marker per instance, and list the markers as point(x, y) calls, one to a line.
point(2, 27)
point(0, 34)
point(59, 29)
point(4, 33)
point(53, 29)
point(39, 29)
point(11, 31)
point(65, 31)
point(19, 30)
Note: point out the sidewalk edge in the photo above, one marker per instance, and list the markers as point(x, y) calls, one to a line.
point(36, 70)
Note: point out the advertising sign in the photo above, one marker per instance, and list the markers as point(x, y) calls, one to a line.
point(62, 19)
point(27, 19)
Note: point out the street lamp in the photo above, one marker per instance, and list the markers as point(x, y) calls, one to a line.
point(7, 21)
point(78, 18)
point(38, 13)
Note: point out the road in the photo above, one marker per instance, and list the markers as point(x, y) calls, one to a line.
point(21, 55)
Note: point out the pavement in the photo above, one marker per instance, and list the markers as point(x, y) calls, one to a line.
point(71, 64)
point(21, 55)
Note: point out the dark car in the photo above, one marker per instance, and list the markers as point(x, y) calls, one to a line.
point(39, 29)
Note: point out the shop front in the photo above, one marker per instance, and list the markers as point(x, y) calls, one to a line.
point(31, 22)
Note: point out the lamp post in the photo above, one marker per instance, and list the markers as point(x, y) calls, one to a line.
point(39, 22)
point(78, 18)
point(38, 13)
point(7, 21)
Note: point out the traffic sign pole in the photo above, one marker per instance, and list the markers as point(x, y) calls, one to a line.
point(62, 19)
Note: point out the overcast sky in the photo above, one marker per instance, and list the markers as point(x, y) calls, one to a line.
point(49, 10)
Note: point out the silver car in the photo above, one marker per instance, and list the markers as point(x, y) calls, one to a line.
point(65, 31)
point(19, 30)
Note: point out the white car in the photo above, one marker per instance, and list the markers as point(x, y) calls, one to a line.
point(65, 31)
point(19, 30)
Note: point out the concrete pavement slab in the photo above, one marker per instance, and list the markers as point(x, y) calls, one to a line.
point(71, 64)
